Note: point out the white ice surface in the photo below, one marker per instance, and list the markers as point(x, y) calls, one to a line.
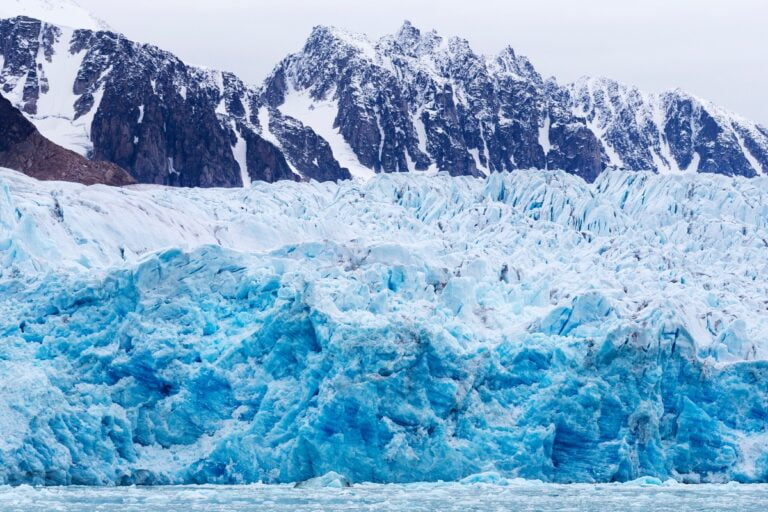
point(695, 244)
point(60, 12)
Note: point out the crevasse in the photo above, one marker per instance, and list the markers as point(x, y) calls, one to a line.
point(407, 328)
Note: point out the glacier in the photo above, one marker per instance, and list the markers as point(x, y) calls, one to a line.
point(405, 328)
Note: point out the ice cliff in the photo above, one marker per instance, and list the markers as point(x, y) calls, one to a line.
point(406, 328)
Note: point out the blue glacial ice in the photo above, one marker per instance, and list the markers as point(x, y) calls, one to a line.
point(403, 329)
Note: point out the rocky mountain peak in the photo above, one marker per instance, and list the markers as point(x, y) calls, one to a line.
point(408, 35)
point(410, 41)
point(325, 38)
point(409, 101)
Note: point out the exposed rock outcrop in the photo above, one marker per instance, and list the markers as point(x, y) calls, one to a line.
point(349, 105)
point(23, 149)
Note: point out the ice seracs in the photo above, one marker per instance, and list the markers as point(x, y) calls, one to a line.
point(406, 328)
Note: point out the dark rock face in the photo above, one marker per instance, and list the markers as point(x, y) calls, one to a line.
point(21, 40)
point(170, 123)
point(309, 151)
point(15, 126)
point(693, 133)
point(673, 131)
point(410, 101)
point(163, 121)
point(578, 151)
point(23, 149)
point(415, 100)
point(265, 161)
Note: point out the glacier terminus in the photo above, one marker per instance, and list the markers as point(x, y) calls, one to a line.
point(405, 328)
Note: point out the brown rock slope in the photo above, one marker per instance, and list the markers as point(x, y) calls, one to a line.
point(23, 149)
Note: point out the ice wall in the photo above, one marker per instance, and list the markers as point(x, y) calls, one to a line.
point(403, 329)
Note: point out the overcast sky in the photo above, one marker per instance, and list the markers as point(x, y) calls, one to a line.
point(717, 49)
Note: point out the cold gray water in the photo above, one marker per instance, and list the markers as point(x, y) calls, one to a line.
point(414, 497)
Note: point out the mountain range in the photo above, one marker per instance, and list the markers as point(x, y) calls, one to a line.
point(347, 105)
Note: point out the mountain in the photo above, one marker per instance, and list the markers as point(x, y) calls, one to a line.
point(346, 105)
point(142, 108)
point(410, 328)
point(414, 100)
point(669, 132)
point(23, 148)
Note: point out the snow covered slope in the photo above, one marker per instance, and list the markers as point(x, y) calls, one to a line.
point(108, 98)
point(407, 328)
point(350, 105)
point(67, 13)
point(416, 100)
point(669, 132)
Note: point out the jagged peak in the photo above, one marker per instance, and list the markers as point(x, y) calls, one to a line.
point(324, 34)
point(664, 101)
point(410, 41)
point(592, 84)
point(507, 53)
point(723, 116)
point(508, 61)
point(678, 92)
point(459, 45)
point(415, 43)
point(408, 33)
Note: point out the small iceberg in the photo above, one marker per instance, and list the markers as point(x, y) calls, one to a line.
point(646, 481)
point(330, 480)
point(487, 477)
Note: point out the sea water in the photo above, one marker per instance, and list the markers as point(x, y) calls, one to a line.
point(411, 497)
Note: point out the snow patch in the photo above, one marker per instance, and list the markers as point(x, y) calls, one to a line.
point(73, 134)
point(694, 165)
point(266, 133)
point(544, 136)
point(421, 131)
point(67, 13)
point(476, 157)
point(664, 161)
point(753, 162)
point(171, 169)
point(239, 151)
point(320, 115)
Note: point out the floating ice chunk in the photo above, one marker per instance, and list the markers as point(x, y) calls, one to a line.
point(488, 477)
point(645, 481)
point(328, 480)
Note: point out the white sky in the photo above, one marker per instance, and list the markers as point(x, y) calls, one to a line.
point(717, 49)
